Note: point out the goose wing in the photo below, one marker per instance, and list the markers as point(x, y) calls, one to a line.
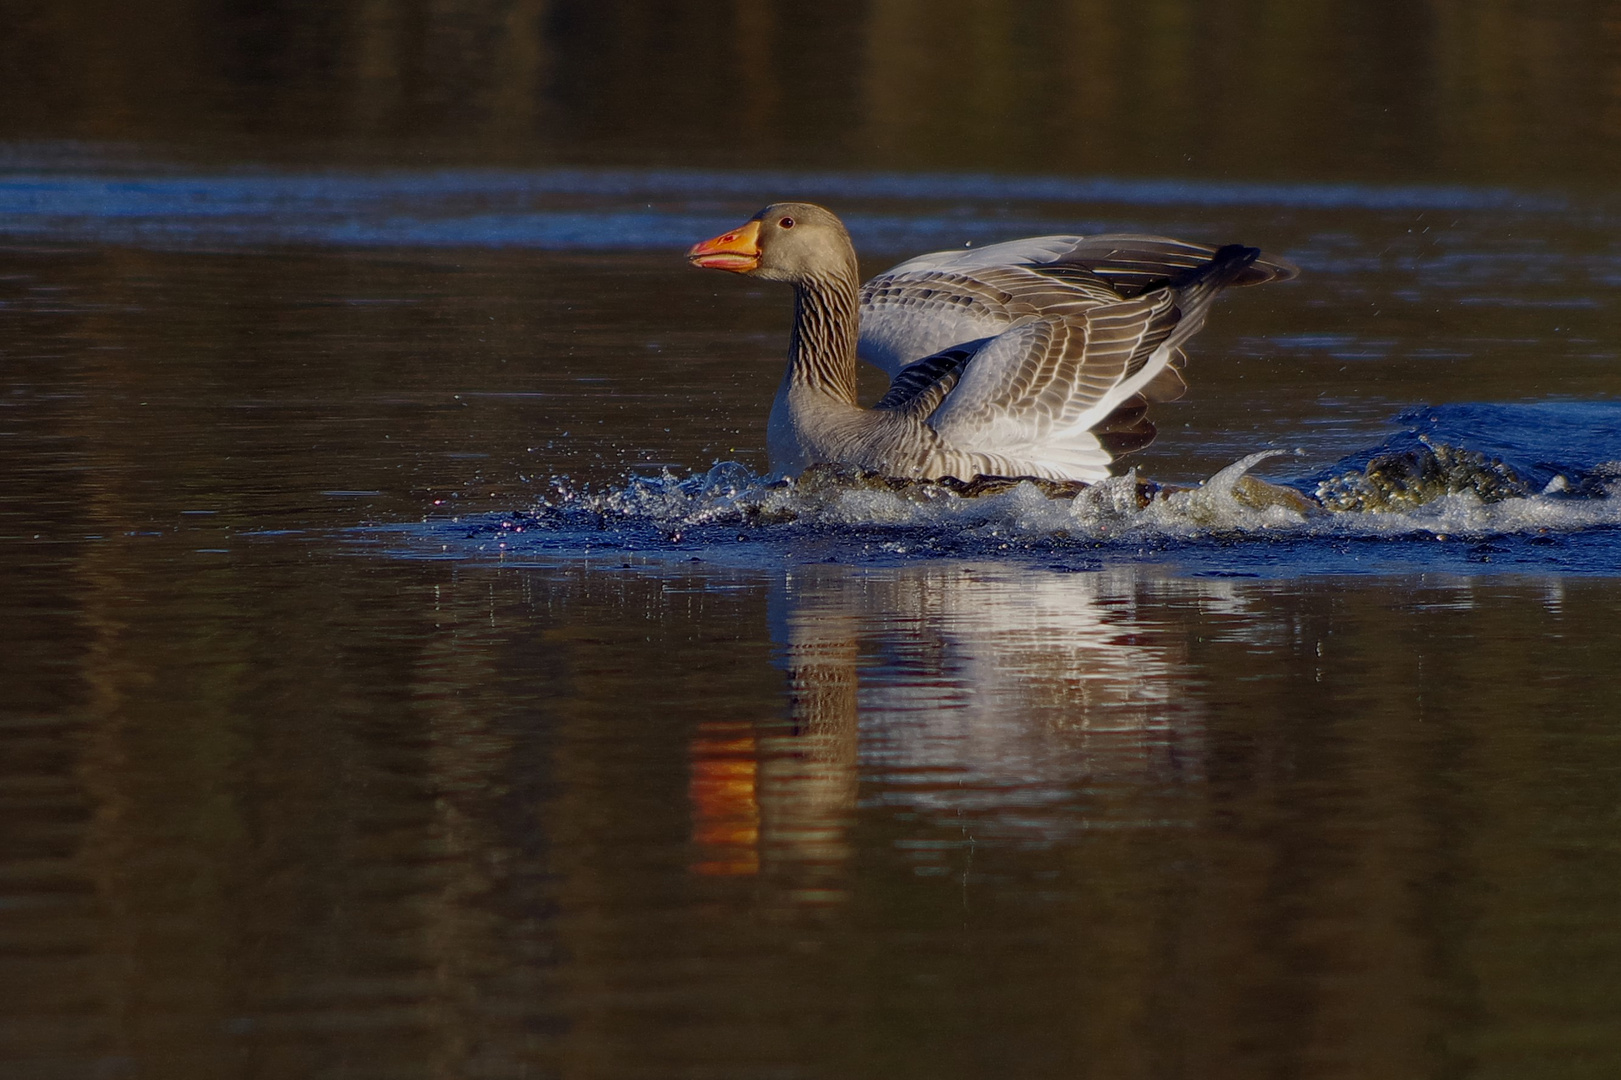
point(1031, 251)
point(934, 301)
point(1134, 263)
point(916, 313)
point(1035, 391)
point(1125, 259)
point(919, 388)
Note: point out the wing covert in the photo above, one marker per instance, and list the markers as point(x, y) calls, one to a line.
point(1049, 375)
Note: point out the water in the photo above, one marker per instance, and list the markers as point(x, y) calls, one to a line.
point(410, 669)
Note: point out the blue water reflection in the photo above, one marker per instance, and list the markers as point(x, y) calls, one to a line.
point(609, 209)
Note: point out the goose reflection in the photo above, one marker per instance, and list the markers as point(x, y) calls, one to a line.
point(1013, 703)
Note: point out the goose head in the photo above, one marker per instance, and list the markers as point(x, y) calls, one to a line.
point(786, 241)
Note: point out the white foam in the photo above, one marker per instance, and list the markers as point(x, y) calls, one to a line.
point(731, 494)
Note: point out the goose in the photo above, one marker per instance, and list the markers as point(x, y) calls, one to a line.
point(1031, 358)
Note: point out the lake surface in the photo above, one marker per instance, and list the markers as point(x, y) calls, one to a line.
point(410, 670)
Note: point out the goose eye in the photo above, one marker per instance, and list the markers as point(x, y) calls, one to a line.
point(786, 223)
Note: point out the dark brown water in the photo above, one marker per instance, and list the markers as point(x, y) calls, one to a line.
point(326, 751)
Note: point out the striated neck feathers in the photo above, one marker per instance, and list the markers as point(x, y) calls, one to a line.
point(827, 322)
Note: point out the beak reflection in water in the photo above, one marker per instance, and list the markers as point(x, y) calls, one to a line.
point(1012, 708)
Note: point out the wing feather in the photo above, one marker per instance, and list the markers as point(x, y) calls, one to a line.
point(920, 387)
point(907, 316)
point(1133, 263)
point(1049, 377)
point(935, 301)
point(1130, 259)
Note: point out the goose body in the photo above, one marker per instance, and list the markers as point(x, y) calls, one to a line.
point(1036, 357)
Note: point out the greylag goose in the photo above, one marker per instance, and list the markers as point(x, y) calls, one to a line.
point(1036, 357)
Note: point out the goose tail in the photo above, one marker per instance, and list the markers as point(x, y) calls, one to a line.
point(1198, 286)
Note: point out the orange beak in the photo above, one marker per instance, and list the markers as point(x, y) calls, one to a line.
point(737, 251)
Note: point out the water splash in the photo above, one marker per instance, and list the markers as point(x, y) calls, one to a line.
point(1408, 479)
point(1446, 489)
point(1373, 510)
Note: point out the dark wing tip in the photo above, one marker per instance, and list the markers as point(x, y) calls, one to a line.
point(1135, 263)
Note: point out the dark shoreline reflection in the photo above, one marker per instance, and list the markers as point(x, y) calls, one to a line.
point(1383, 89)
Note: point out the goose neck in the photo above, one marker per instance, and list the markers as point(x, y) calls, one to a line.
point(822, 348)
